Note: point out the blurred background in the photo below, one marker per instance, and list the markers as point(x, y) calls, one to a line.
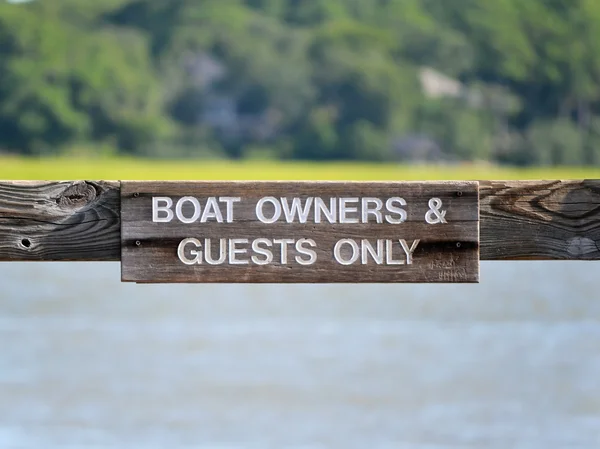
point(506, 81)
point(299, 89)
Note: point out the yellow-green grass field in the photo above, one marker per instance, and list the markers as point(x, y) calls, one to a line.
point(117, 168)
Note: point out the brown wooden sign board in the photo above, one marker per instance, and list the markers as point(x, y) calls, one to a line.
point(299, 232)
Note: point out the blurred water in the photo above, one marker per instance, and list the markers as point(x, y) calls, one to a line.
point(513, 362)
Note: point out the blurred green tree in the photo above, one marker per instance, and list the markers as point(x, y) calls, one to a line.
point(508, 81)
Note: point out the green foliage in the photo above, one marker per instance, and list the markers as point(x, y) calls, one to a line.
point(508, 81)
point(61, 84)
point(558, 142)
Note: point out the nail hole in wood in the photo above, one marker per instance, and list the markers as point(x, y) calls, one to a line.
point(459, 194)
point(138, 243)
point(26, 243)
point(458, 244)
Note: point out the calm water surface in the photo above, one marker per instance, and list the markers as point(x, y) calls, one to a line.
point(513, 362)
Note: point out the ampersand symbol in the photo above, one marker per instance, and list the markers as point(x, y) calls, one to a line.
point(435, 215)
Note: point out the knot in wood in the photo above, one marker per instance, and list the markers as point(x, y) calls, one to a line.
point(579, 247)
point(78, 194)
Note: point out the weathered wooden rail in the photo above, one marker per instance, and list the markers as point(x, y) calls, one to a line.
point(80, 220)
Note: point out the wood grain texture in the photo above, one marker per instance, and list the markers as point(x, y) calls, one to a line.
point(540, 220)
point(79, 220)
point(74, 220)
point(447, 252)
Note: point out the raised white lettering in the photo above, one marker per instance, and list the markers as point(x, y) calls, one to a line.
point(283, 243)
point(260, 213)
point(389, 205)
point(268, 254)
point(389, 254)
point(233, 251)
point(211, 210)
point(409, 251)
point(296, 209)
point(179, 209)
point(367, 249)
point(367, 210)
point(229, 200)
point(156, 208)
point(312, 255)
point(337, 252)
point(330, 213)
point(345, 210)
point(208, 252)
point(197, 254)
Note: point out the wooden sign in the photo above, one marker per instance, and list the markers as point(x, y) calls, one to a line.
point(310, 232)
